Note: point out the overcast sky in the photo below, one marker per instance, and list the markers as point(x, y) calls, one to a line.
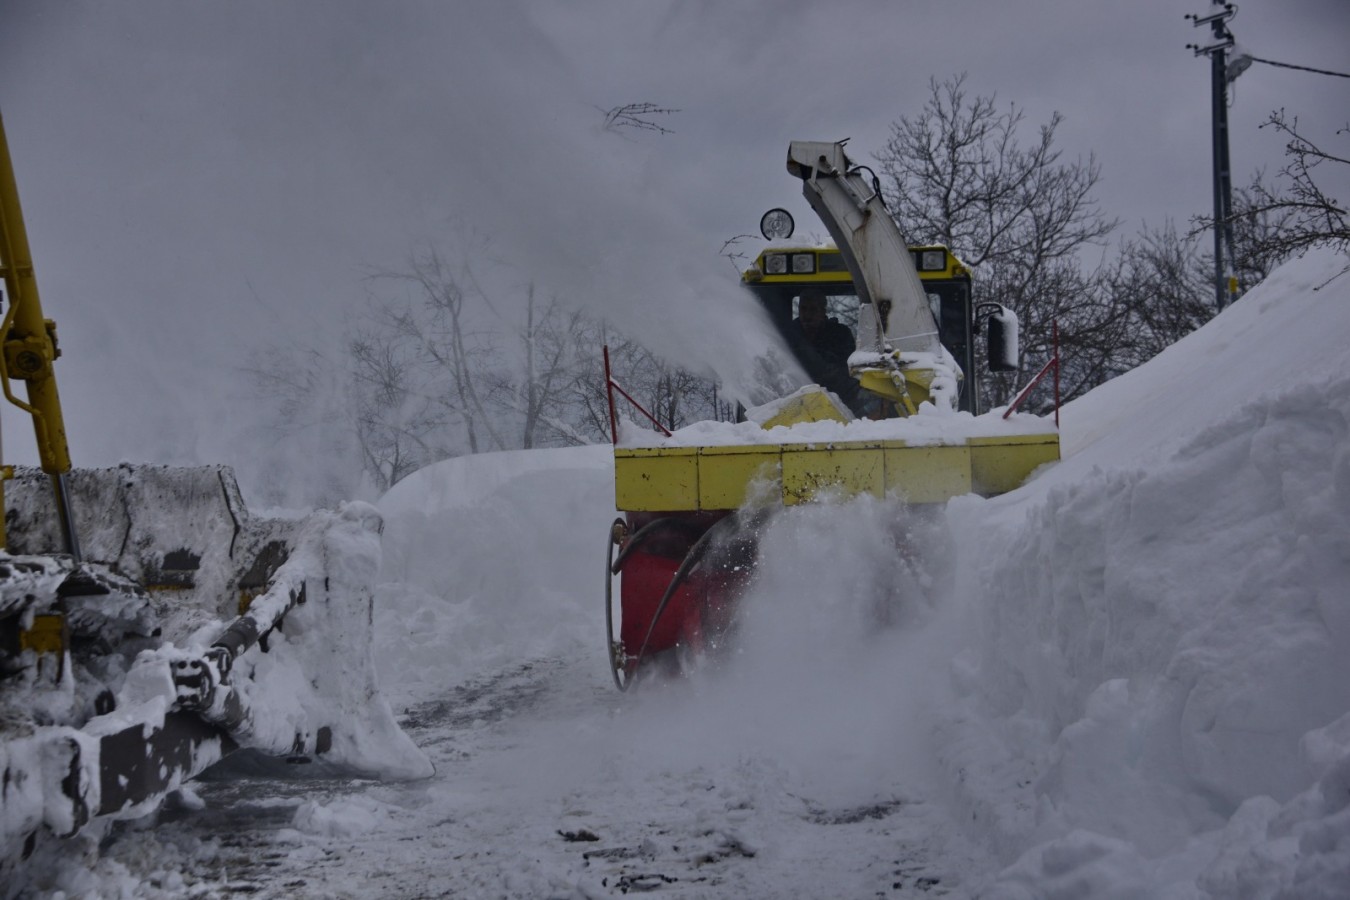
point(200, 178)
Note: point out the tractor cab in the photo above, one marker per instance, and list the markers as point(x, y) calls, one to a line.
point(784, 272)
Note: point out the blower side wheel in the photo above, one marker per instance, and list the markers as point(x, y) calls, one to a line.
point(614, 649)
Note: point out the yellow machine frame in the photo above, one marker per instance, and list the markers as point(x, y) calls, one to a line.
point(653, 479)
point(705, 478)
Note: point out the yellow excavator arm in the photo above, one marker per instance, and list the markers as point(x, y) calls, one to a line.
point(28, 346)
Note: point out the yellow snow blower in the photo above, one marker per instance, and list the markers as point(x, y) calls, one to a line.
point(893, 412)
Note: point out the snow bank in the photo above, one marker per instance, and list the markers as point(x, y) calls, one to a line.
point(483, 555)
point(1156, 691)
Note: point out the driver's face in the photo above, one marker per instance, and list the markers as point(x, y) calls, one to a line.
point(811, 310)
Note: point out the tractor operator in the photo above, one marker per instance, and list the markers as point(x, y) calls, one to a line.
point(824, 344)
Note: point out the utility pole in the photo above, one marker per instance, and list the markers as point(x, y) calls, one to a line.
point(1225, 272)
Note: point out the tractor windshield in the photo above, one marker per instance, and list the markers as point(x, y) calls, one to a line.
point(819, 323)
point(783, 275)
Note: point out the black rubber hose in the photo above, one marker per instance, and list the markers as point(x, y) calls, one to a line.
point(647, 531)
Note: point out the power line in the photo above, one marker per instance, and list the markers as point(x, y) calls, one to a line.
point(1271, 62)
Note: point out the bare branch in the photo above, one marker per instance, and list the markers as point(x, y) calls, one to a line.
point(1298, 213)
point(636, 117)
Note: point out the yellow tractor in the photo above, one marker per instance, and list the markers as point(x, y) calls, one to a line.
point(893, 412)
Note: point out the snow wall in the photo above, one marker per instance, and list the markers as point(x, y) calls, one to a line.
point(1159, 628)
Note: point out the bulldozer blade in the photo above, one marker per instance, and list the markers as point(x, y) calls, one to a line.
point(189, 630)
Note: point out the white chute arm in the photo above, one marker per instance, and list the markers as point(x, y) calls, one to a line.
point(873, 247)
point(896, 323)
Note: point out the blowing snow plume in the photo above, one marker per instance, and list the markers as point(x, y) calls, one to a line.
point(834, 665)
point(602, 221)
point(231, 176)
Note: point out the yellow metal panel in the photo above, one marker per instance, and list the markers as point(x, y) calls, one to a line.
point(854, 468)
point(718, 477)
point(927, 474)
point(48, 634)
point(813, 406)
point(916, 389)
point(725, 473)
point(824, 279)
point(656, 479)
point(879, 382)
point(1002, 464)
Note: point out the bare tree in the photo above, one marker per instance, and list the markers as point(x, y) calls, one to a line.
point(434, 367)
point(398, 422)
point(309, 396)
point(1258, 227)
point(440, 330)
point(958, 174)
point(673, 396)
point(1160, 280)
point(1275, 222)
point(554, 348)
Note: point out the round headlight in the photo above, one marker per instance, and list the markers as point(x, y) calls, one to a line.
point(776, 224)
point(934, 260)
point(775, 264)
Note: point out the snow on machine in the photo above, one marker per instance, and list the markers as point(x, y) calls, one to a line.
point(898, 416)
point(149, 626)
